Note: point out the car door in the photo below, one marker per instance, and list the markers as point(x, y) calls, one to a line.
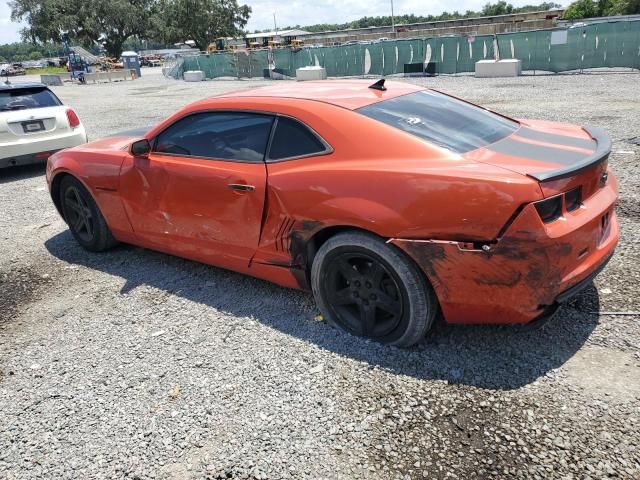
point(200, 192)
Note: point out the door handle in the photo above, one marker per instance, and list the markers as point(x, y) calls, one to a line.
point(239, 187)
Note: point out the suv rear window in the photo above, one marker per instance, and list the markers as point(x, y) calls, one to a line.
point(21, 98)
point(442, 120)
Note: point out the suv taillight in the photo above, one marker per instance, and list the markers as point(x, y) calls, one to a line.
point(74, 121)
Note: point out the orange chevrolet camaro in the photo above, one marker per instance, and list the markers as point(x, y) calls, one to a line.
point(390, 203)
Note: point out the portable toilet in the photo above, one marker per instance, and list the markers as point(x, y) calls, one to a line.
point(131, 61)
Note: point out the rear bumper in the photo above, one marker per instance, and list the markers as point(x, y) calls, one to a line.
point(19, 152)
point(29, 159)
point(571, 292)
point(529, 271)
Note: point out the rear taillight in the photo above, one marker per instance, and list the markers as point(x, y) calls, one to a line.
point(573, 199)
point(74, 121)
point(550, 209)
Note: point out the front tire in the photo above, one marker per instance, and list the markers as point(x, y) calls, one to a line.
point(83, 217)
point(370, 289)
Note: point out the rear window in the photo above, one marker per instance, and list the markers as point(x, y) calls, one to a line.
point(442, 120)
point(21, 98)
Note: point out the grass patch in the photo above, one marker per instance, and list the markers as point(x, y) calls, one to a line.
point(46, 70)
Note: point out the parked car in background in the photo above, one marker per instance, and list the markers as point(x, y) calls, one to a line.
point(18, 69)
point(150, 61)
point(34, 124)
point(12, 70)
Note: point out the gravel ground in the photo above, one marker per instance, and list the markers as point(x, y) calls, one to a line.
point(135, 364)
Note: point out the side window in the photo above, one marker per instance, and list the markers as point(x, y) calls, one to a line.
point(225, 135)
point(293, 139)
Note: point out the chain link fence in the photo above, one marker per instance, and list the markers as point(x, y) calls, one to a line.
point(612, 44)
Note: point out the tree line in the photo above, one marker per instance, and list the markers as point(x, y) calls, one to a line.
point(21, 51)
point(601, 8)
point(108, 24)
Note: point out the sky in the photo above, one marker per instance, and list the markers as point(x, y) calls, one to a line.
point(308, 12)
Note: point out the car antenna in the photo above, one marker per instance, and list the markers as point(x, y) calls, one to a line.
point(379, 85)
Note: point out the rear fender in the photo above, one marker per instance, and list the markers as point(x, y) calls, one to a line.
point(285, 235)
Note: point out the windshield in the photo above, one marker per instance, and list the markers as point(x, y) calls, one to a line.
point(442, 120)
point(21, 98)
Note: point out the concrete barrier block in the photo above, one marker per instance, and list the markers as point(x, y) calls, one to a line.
point(121, 75)
point(193, 76)
point(501, 68)
point(311, 73)
point(91, 77)
point(51, 80)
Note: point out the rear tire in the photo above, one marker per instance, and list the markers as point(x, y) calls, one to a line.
point(83, 216)
point(371, 289)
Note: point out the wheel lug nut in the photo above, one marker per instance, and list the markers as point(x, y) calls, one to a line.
point(356, 294)
point(368, 285)
point(357, 283)
point(373, 296)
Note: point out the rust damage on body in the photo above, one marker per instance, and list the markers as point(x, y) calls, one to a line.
point(294, 239)
point(513, 271)
point(300, 237)
point(428, 255)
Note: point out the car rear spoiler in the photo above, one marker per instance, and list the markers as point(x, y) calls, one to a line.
point(603, 149)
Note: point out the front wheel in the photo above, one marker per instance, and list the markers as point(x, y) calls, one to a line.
point(85, 220)
point(370, 289)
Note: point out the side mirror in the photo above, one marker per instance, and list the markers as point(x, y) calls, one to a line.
point(141, 148)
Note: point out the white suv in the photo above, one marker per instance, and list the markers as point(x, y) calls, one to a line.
point(34, 124)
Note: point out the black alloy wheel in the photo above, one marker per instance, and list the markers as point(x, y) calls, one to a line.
point(363, 293)
point(83, 216)
point(372, 289)
point(78, 214)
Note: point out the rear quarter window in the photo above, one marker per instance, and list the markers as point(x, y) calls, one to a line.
point(292, 139)
point(442, 120)
point(23, 98)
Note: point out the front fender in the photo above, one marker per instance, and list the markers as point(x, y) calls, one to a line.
point(99, 173)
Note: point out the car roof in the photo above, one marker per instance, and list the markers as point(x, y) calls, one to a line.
point(350, 94)
point(14, 86)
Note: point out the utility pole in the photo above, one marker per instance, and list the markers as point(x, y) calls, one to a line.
point(393, 23)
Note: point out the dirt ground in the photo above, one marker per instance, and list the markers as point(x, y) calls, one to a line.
point(135, 364)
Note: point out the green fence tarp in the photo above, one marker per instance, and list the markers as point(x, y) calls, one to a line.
point(610, 44)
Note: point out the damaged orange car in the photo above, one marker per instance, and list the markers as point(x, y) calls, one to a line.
point(390, 202)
